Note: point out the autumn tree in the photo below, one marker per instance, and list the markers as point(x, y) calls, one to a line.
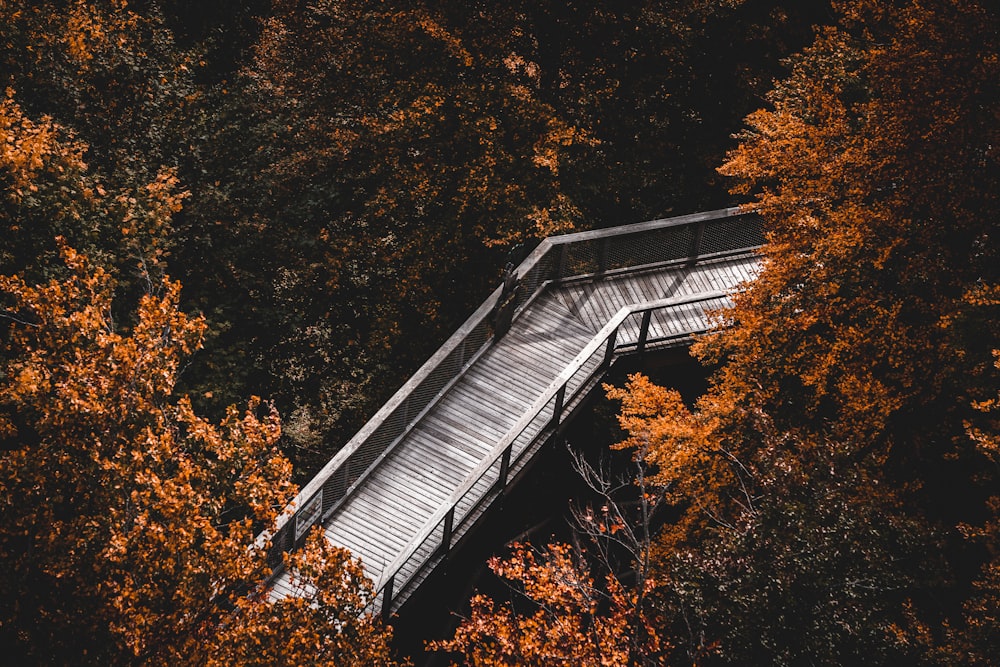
point(93, 96)
point(817, 477)
point(974, 639)
point(384, 158)
point(129, 523)
point(584, 603)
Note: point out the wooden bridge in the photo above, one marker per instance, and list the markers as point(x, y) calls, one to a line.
point(418, 475)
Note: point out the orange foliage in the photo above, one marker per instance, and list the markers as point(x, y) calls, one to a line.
point(574, 622)
point(689, 459)
point(50, 191)
point(128, 521)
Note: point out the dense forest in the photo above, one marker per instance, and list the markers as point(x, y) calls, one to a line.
point(231, 230)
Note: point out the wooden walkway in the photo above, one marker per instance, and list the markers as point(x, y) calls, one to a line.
point(427, 486)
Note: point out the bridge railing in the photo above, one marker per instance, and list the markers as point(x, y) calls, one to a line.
point(602, 251)
point(633, 329)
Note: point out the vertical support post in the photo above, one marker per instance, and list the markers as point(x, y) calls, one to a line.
point(563, 255)
point(602, 256)
point(387, 598)
point(557, 411)
point(503, 312)
point(699, 232)
point(609, 351)
point(449, 523)
point(643, 331)
point(505, 467)
point(323, 494)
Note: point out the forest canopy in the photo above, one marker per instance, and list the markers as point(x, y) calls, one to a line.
point(203, 203)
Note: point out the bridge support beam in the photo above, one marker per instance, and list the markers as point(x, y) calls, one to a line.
point(449, 523)
point(609, 351)
point(640, 346)
point(504, 467)
point(387, 598)
point(557, 410)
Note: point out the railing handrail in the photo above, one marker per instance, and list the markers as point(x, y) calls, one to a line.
point(647, 226)
point(600, 339)
point(315, 486)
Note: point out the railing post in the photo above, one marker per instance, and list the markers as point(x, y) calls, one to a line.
point(449, 523)
point(563, 255)
point(387, 598)
point(602, 256)
point(699, 232)
point(609, 351)
point(643, 331)
point(557, 411)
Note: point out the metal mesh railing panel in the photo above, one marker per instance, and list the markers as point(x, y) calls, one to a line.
point(534, 427)
point(475, 340)
point(733, 233)
point(650, 247)
point(425, 392)
point(334, 489)
point(581, 258)
point(468, 502)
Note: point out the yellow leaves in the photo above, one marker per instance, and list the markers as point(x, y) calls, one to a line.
point(326, 623)
point(987, 438)
point(89, 29)
point(660, 427)
point(427, 105)
point(146, 215)
point(27, 147)
point(982, 295)
point(517, 64)
point(559, 217)
point(440, 33)
point(558, 136)
point(84, 31)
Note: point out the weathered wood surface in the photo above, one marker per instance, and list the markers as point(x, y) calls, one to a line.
point(393, 503)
